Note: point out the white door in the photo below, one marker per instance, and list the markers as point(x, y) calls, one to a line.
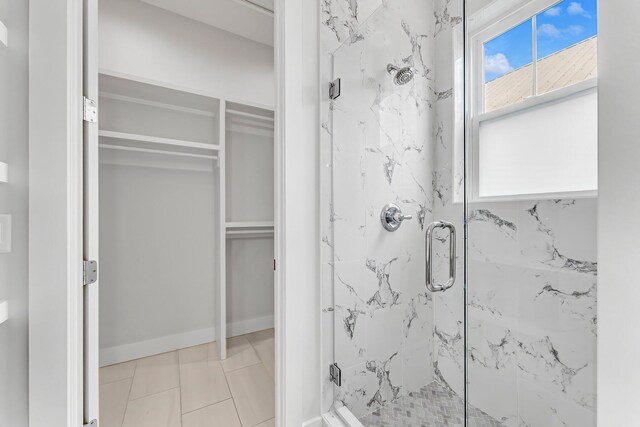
point(91, 229)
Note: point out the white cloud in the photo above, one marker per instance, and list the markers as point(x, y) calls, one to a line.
point(576, 8)
point(554, 11)
point(497, 64)
point(549, 30)
point(574, 30)
point(554, 32)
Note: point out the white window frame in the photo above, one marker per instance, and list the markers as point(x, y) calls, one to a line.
point(522, 11)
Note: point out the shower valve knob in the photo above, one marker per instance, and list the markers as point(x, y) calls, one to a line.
point(391, 217)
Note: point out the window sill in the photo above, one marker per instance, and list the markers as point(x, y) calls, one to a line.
point(587, 194)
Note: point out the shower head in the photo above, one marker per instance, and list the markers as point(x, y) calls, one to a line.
point(400, 75)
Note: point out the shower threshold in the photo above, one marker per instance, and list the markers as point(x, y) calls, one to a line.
point(433, 406)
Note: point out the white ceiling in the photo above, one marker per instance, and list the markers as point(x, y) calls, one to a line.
point(252, 19)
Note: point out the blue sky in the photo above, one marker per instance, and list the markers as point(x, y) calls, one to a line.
point(562, 25)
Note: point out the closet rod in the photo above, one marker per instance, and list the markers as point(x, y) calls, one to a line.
point(157, 140)
point(249, 234)
point(152, 151)
point(250, 224)
point(140, 101)
point(254, 116)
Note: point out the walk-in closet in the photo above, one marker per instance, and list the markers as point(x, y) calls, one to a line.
point(186, 218)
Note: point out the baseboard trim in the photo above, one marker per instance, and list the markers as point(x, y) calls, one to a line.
point(313, 422)
point(235, 329)
point(137, 350)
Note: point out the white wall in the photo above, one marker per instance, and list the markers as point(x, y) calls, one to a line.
point(250, 197)
point(618, 205)
point(298, 259)
point(13, 200)
point(142, 40)
point(157, 275)
point(249, 285)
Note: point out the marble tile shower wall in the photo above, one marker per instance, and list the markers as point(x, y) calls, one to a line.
point(381, 152)
point(532, 270)
point(532, 282)
point(532, 311)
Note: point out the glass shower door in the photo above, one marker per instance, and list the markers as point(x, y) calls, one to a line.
point(532, 194)
point(395, 126)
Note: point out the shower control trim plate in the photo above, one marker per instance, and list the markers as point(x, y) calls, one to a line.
point(391, 217)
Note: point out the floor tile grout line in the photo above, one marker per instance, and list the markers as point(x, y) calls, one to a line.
point(179, 383)
point(118, 380)
point(232, 397)
point(234, 402)
point(237, 413)
point(153, 394)
point(227, 381)
point(207, 406)
point(160, 391)
point(242, 367)
point(126, 405)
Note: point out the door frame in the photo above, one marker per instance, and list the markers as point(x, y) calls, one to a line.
point(56, 214)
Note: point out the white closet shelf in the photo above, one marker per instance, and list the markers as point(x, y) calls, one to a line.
point(4, 311)
point(157, 140)
point(250, 224)
point(4, 34)
point(249, 115)
point(152, 151)
point(249, 229)
point(156, 104)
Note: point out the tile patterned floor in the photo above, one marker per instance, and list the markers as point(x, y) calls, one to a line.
point(433, 406)
point(192, 387)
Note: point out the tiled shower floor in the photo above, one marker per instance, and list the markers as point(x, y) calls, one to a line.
point(433, 406)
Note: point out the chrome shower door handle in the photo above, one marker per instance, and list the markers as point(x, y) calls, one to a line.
point(440, 287)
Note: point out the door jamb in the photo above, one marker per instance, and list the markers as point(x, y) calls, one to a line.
point(55, 213)
point(56, 216)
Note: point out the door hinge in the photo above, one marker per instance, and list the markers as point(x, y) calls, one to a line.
point(335, 374)
point(334, 89)
point(89, 272)
point(89, 110)
point(92, 423)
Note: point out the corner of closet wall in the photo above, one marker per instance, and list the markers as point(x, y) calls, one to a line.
point(186, 146)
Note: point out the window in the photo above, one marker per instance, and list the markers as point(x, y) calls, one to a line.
point(550, 50)
point(566, 41)
point(508, 74)
point(534, 102)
